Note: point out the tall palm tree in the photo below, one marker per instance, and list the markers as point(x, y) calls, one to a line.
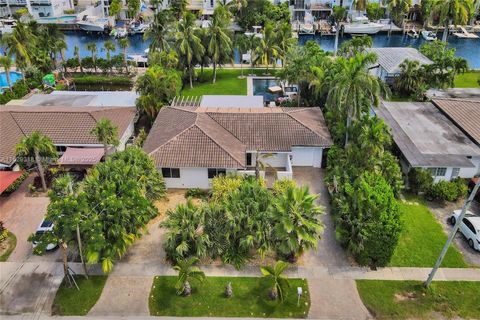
point(187, 271)
point(354, 89)
point(360, 5)
point(6, 63)
point(339, 14)
point(189, 44)
point(242, 44)
point(178, 8)
point(41, 148)
point(124, 44)
point(159, 31)
point(267, 50)
point(19, 44)
point(451, 12)
point(397, 10)
point(410, 78)
point(106, 133)
point(60, 47)
point(92, 47)
point(280, 283)
point(76, 53)
point(252, 44)
point(109, 47)
point(260, 163)
point(285, 40)
point(237, 6)
point(219, 45)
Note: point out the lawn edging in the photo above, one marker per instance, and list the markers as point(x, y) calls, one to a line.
point(12, 243)
point(249, 299)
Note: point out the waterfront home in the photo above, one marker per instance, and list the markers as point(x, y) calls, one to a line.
point(68, 127)
point(427, 139)
point(37, 8)
point(390, 59)
point(192, 141)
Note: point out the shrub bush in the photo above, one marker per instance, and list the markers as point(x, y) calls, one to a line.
point(15, 185)
point(197, 193)
point(282, 185)
point(96, 79)
point(420, 180)
point(3, 232)
point(447, 190)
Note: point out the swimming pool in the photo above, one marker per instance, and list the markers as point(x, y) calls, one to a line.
point(260, 88)
point(14, 77)
point(62, 19)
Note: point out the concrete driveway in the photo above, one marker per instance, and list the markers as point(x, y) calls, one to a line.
point(443, 213)
point(22, 214)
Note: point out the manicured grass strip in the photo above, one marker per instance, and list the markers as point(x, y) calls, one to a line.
point(422, 239)
point(73, 302)
point(98, 79)
point(227, 83)
point(8, 245)
point(408, 299)
point(250, 299)
point(467, 80)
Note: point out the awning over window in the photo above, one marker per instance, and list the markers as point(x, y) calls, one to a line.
point(81, 156)
point(7, 178)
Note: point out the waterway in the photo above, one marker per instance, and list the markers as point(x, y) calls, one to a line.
point(466, 48)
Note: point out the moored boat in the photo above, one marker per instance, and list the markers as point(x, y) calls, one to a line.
point(361, 25)
point(429, 35)
point(92, 24)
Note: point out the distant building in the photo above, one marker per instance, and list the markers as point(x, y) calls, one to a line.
point(37, 8)
point(390, 59)
point(192, 142)
point(427, 139)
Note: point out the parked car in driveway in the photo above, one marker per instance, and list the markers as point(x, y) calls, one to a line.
point(45, 226)
point(469, 227)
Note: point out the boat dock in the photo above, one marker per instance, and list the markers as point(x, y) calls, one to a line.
point(464, 34)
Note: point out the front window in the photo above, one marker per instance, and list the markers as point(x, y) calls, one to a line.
point(437, 172)
point(171, 172)
point(213, 172)
point(455, 172)
point(249, 159)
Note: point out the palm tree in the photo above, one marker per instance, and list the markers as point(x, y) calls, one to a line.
point(6, 63)
point(354, 89)
point(280, 283)
point(109, 46)
point(106, 133)
point(41, 148)
point(261, 164)
point(189, 44)
point(410, 78)
point(284, 39)
point(360, 5)
point(60, 47)
point(397, 10)
point(242, 44)
point(159, 31)
point(252, 44)
point(92, 47)
point(237, 6)
point(187, 271)
point(76, 53)
point(178, 8)
point(297, 226)
point(339, 14)
point(124, 44)
point(267, 49)
point(219, 42)
point(451, 12)
point(19, 44)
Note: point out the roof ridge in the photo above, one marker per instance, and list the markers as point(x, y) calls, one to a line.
point(218, 144)
point(303, 124)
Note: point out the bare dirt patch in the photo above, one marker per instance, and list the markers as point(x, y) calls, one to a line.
point(405, 296)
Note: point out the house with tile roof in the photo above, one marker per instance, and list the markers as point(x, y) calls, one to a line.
point(67, 126)
point(191, 143)
point(427, 138)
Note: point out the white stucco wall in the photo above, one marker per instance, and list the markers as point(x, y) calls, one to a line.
point(191, 178)
point(127, 134)
point(466, 173)
point(307, 156)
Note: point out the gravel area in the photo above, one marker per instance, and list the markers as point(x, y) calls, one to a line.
point(443, 213)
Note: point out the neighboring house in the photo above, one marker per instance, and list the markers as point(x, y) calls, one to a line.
point(37, 8)
point(427, 139)
point(390, 59)
point(191, 144)
point(66, 126)
point(80, 99)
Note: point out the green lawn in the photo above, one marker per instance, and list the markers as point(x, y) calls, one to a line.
point(422, 239)
point(467, 80)
point(7, 246)
point(73, 302)
point(249, 299)
point(408, 299)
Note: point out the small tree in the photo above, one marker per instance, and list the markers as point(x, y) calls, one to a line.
point(124, 44)
point(420, 180)
point(76, 53)
point(39, 147)
point(6, 63)
point(106, 133)
point(260, 163)
point(187, 271)
point(92, 47)
point(280, 283)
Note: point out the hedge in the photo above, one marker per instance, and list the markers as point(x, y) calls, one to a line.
point(96, 79)
point(16, 184)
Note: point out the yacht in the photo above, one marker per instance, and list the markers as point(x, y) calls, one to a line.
point(7, 25)
point(92, 24)
point(361, 25)
point(429, 35)
point(137, 27)
point(256, 32)
point(119, 32)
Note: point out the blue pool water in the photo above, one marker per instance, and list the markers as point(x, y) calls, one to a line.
point(14, 77)
point(62, 19)
point(465, 48)
point(260, 88)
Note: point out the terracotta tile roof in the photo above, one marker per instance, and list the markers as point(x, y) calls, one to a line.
point(205, 137)
point(464, 113)
point(64, 125)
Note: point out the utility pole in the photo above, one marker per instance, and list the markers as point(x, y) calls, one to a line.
point(452, 234)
